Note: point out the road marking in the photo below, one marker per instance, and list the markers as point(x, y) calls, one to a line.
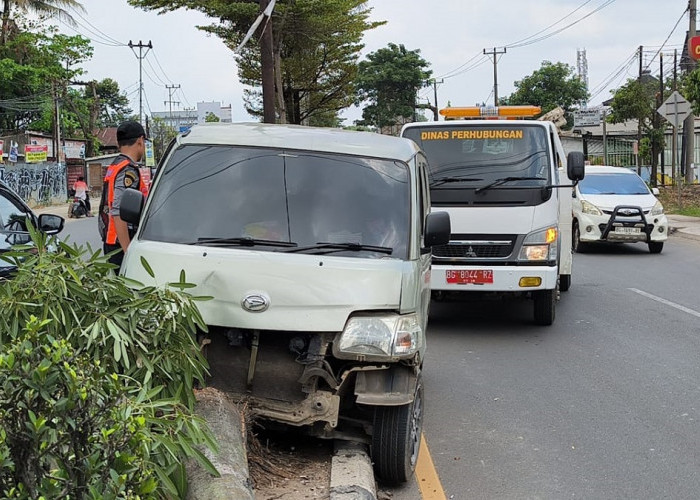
point(667, 302)
point(426, 475)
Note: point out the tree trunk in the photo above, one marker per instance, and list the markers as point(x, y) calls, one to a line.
point(5, 21)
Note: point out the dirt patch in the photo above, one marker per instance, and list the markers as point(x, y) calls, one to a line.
point(689, 198)
point(288, 466)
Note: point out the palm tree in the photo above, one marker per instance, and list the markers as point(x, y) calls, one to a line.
point(57, 8)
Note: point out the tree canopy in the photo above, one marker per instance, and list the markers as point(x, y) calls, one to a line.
point(552, 85)
point(389, 81)
point(316, 46)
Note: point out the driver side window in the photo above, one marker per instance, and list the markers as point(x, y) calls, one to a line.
point(12, 217)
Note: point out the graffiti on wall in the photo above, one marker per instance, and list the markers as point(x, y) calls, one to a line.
point(36, 184)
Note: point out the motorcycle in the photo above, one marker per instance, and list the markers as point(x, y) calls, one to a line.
point(77, 208)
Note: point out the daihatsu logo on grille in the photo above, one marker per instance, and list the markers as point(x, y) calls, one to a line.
point(255, 302)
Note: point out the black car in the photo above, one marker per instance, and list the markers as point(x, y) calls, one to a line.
point(14, 214)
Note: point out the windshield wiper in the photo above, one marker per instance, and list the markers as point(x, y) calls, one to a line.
point(503, 180)
point(334, 247)
point(243, 242)
point(444, 180)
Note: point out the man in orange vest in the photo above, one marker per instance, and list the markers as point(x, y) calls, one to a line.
point(124, 173)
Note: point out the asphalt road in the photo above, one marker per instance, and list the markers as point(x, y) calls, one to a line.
point(603, 404)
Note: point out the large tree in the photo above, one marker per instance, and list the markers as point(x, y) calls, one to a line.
point(554, 84)
point(638, 100)
point(316, 46)
point(36, 65)
point(53, 8)
point(388, 83)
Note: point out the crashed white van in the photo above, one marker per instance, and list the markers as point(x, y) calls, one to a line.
point(315, 246)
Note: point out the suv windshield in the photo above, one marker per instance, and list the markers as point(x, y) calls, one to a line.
point(612, 184)
point(273, 200)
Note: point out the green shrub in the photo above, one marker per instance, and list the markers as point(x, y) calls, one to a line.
point(96, 378)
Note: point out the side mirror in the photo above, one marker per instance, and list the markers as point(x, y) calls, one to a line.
point(575, 165)
point(655, 191)
point(131, 206)
point(437, 229)
point(51, 224)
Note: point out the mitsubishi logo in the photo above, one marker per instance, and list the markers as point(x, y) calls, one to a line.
point(255, 302)
point(471, 252)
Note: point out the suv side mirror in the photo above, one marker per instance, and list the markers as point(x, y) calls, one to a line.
point(575, 165)
point(131, 206)
point(50, 223)
point(437, 229)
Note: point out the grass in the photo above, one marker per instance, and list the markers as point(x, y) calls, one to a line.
point(689, 200)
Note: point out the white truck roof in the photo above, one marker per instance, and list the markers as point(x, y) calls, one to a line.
point(299, 137)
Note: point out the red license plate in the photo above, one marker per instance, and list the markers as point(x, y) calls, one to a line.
point(467, 276)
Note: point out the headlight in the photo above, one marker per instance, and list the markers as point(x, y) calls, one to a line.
point(589, 208)
point(540, 245)
point(379, 337)
point(658, 209)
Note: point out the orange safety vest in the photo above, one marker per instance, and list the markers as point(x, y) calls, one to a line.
point(107, 229)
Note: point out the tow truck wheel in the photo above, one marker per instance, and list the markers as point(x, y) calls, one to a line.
point(564, 282)
point(576, 245)
point(545, 301)
point(396, 439)
point(656, 246)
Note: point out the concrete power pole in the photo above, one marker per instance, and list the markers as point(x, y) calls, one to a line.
point(639, 120)
point(171, 90)
point(140, 57)
point(689, 122)
point(495, 53)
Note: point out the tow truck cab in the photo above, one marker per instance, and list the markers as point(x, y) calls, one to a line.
point(498, 175)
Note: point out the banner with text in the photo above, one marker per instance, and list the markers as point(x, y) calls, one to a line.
point(35, 154)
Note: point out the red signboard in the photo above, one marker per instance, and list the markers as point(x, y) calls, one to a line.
point(695, 47)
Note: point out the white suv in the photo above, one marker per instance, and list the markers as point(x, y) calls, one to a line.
point(614, 204)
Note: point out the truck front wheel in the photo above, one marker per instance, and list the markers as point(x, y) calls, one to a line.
point(545, 301)
point(396, 439)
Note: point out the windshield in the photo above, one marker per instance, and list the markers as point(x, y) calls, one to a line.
point(612, 184)
point(253, 198)
point(474, 156)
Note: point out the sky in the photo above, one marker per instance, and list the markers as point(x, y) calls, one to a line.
point(450, 34)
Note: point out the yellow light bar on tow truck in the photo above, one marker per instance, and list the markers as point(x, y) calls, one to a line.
point(490, 112)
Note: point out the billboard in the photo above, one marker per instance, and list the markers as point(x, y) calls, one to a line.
point(35, 153)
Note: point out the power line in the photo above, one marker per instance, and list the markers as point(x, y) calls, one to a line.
point(669, 36)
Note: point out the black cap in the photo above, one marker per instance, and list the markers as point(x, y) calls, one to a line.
point(130, 130)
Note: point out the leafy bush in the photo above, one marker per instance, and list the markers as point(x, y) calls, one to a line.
point(96, 378)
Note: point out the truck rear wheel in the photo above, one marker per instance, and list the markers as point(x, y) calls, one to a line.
point(396, 439)
point(545, 302)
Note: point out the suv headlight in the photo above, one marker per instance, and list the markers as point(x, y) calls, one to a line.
point(379, 337)
point(658, 209)
point(540, 245)
point(589, 208)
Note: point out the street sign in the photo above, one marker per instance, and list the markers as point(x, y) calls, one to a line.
point(695, 47)
point(587, 118)
point(675, 109)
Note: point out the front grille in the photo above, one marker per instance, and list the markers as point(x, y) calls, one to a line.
point(476, 249)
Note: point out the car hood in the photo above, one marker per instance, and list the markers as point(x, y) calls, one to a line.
point(609, 202)
point(304, 292)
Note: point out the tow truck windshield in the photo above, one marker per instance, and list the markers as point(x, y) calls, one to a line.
point(484, 156)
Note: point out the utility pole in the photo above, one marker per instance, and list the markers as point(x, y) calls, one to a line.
point(660, 148)
point(435, 108)
point(495, 53)
point(267, 64)
point(140, 57)
point(171, 90)
point(689, 122)
point(639, 119)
